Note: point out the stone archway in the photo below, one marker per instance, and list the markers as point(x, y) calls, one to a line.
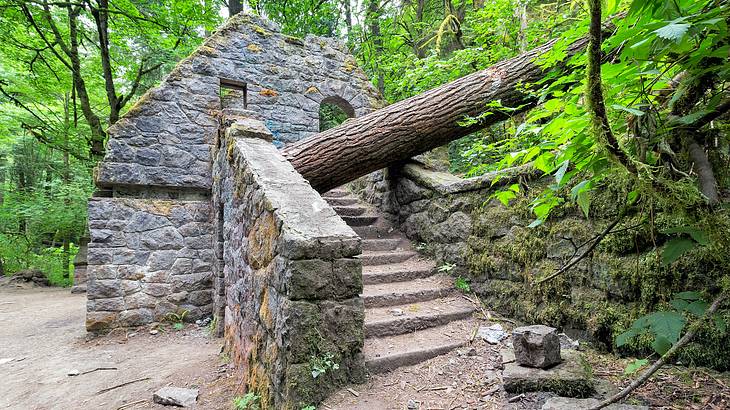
point(333, 111)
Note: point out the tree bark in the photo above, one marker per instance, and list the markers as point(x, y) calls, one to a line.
point(420, 123)
point(234, 7)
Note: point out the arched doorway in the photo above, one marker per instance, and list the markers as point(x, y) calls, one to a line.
point(333, 111)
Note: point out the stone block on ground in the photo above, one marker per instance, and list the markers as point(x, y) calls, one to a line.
point(565, 403)
point(536, 346)
point(570, 378)
point(175, 396)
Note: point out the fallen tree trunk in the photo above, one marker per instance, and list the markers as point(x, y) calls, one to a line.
point(420, 123)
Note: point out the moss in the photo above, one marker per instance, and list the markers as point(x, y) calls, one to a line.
point(254, 48)
point(349, 65)
point(260, 30)
point(267, 92)
point(293, 40)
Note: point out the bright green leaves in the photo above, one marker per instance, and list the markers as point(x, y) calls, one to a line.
point(504, 196)
point(674, 31)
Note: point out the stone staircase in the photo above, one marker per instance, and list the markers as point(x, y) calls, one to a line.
point(411, 313)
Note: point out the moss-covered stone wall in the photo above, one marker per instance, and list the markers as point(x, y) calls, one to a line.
point(494, 249)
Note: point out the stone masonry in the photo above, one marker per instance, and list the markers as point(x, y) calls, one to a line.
point(152, 248)
point(290, 280)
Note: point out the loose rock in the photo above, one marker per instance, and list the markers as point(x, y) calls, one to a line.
point(492, 334)
point(536, 346)
point(175, 396)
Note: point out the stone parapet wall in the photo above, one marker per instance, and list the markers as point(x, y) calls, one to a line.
point(290, 274)
point(147, 258)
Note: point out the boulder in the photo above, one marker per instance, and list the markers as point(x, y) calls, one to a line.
point(175, 396)
point(536, 346)
point(571, 378)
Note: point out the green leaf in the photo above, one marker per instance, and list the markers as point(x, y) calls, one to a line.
point(697, 308)
point(673, 31)
point(584, 201)
point(505, 196)
point(634, 366)
point(661, 344)
point(697, 234)
point(632, 197)
point(679, 304)
point(675, 248)
point(633, 111)
point(666, 324)
point(626, 336)
point(561, 172)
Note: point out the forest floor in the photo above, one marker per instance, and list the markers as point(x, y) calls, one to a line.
point(42, 339)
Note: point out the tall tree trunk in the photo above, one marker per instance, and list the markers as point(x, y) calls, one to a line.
point(348, 19)
point(373, 21)
point(66, 180)
point(521, 13)
point(234, 7)
point(418, 124)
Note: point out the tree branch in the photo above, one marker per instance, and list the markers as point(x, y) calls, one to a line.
point(594, 92)
point(588, 250)
point(665, 357)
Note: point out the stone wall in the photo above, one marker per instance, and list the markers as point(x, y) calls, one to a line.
point(147, 258)
point(290, 275)
point(164, 140)
point(493, 248)
point(151, 225)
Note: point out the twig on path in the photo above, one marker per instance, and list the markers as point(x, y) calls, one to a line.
point(134, 403)
point(516, 398)
point(122, 385)
point(93, 370)
point(665, 357)
point(353, 392)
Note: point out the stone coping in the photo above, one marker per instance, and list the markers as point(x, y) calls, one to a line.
point(305, 216)
point(445, 183)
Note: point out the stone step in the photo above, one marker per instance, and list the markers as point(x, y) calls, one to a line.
point(360, 220)
point(397, 272)
point(350, 210)
point(387, 244)
point(374, 231)
point(336, 193)
point(400, 293)
point(385, 257)
point(407, 318)
point(388, 353)
point(342, 201)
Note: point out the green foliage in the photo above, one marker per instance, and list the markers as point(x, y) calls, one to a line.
point(322, 364)
point(462, 284)
point(665, 327)
point(177, 320)
point(249, 401)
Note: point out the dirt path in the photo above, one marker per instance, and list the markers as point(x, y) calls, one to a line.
point(42, 331)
